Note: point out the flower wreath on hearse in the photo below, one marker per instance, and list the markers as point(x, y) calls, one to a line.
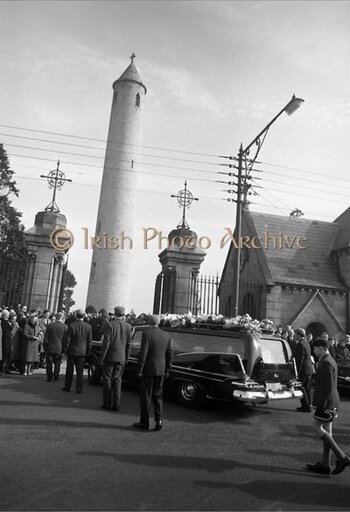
point(238, 323)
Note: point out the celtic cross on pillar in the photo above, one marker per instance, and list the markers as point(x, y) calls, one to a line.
point(56, 180)
point(184, 198)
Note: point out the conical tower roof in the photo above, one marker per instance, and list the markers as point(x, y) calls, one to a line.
point(131, 74)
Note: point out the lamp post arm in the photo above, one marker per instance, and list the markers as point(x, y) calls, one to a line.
point(257, 138)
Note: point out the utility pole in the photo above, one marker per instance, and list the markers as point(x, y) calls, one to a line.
point(243, 187)
point(238, 232)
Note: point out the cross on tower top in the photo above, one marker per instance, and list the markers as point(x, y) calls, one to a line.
point(56, 180)
point(132, 57)
point(184, 198)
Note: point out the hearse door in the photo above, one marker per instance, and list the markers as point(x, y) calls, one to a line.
point(218, 371)
point(131, 368)
point(273, 368)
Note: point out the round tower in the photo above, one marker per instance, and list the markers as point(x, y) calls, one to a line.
point(110, 266)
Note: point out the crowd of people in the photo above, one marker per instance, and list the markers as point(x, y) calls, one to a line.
point(39, 338)
point(338, 348)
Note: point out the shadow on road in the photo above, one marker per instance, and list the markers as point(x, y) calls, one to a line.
point(210, 464)
point(47, 395)
point(323, 494)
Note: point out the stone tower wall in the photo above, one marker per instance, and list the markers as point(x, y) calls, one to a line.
point(110, 268)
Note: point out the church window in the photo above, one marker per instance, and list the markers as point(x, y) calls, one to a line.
point(93, 271)
point(115, 96)
point(138, 100)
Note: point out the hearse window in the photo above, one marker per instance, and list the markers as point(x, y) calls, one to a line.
point(191, 342)
point(136, 344)
point(273, 351)
point(218, 363)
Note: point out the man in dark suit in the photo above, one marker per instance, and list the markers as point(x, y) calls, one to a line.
point(99, 324)
point(154, 363)
point(53, 346)
point(116, 345)
point(77, 346)
point(304, 367)
point(326, 402)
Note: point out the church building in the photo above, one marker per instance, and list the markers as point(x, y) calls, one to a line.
point(293, 271)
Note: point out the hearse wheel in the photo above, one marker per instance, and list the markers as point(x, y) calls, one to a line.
point(190, 394)
point(94, 373)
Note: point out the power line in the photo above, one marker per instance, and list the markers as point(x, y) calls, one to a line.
point(152, 164)
point(273, 205)
point(103, 140)
point(155, 156)
point(310, 188)
point(166, 176)
point(76, 183)
point(182, 177)
point(104, 149)
point(305, 170)
point(102, 158)
point(312, 180)
point(313, 196)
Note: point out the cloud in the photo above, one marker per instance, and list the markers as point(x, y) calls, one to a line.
point(183, 88)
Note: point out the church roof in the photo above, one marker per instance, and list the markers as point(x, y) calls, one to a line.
point(131, 75)
point(311, 266)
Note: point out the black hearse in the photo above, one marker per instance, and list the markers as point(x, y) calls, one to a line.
point(213, 362)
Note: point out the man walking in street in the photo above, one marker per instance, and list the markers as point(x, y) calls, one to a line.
point(116, 345)
point(154, 363)
point(326, 402)
point(77, 346)
point(304, 367)
point(53, 346)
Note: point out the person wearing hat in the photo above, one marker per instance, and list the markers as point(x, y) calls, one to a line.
point(326, 402)
point(53, 345)
point(116, 346)
point(77, 346)
point(99, 324)
point(305, 368)
point(154, 364)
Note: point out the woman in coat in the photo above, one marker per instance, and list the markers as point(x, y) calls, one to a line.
point(30, 336)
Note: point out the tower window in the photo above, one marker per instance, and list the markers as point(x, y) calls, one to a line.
point(138, 100)
point(115, 96)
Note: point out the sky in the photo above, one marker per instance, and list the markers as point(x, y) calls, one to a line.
point(216, 73)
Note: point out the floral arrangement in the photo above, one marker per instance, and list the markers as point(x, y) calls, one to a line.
point(238, 323)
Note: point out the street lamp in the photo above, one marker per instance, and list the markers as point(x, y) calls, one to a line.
point(243, 154)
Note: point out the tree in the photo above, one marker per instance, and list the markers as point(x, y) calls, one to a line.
point(12, 245)
point(11, 229)
point(69, 283)
point(7, 183)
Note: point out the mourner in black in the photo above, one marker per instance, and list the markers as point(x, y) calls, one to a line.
point(154, 363)
point(53, 346)
point(326, 403)
point(77, 346)
point(304, 367)
point(116, 345)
